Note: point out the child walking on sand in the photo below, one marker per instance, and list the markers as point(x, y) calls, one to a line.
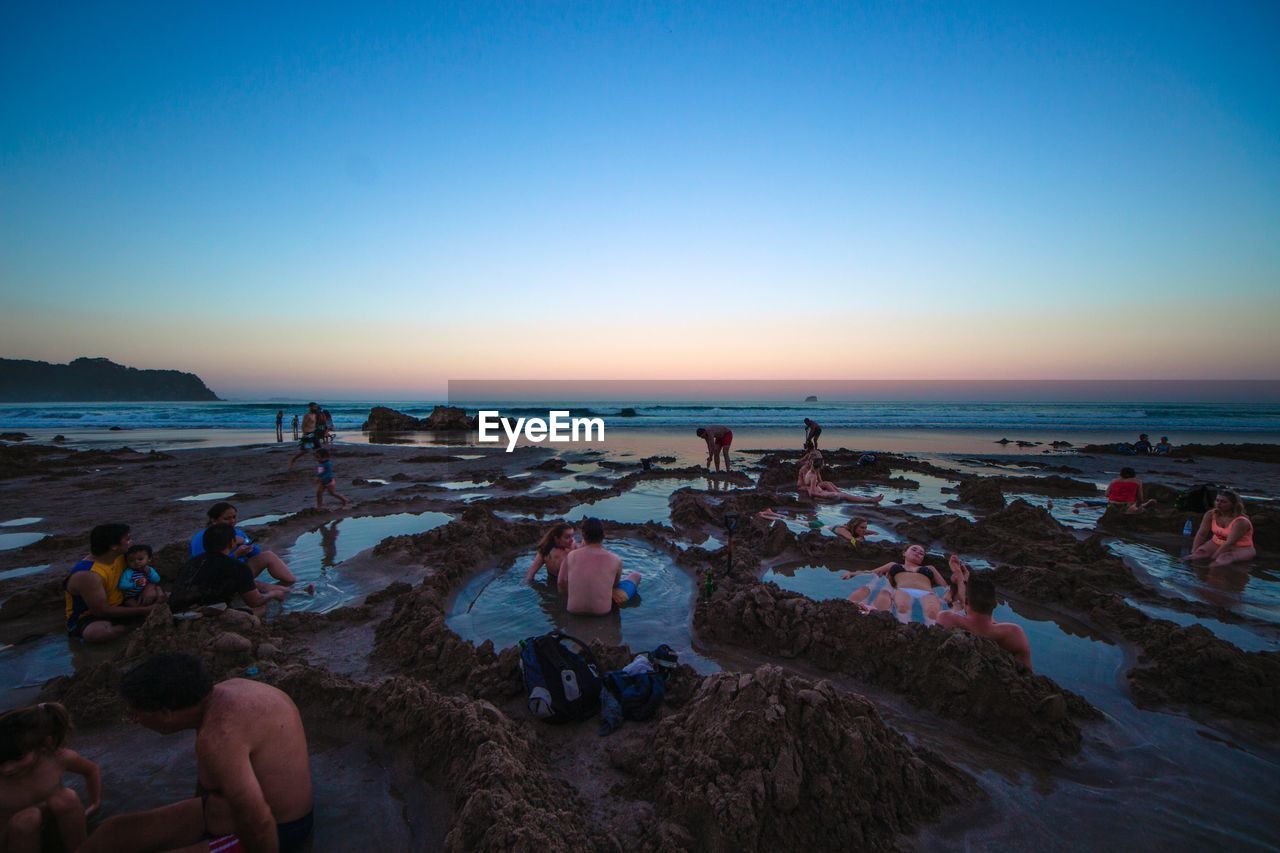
point(324, 479)
point(33, 757)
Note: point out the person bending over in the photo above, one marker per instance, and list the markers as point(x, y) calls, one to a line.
point(33, 759)
point(591, 576)
point(215, 577)
point(253, 775)
point(718, 439)
point(91, 592)
point(812, 429)
point(555, 545)
point(1226, 533)
point(982, 601)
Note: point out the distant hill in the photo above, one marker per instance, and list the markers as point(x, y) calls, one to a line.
point(94, 380)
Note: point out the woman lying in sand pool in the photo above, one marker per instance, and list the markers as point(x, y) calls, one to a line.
point(911, 579)
point(246, 551)
point(1226, 533)
point(555, 544)
point(810, 483)
point(855, 531)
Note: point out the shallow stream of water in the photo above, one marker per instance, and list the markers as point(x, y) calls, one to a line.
point(1251, 589)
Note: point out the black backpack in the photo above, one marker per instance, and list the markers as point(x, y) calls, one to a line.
point(562, 683)
point(1197, 499)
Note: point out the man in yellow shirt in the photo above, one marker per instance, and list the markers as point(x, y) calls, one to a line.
point(92, 590)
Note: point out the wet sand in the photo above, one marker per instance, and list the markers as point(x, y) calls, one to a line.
point(402, 710)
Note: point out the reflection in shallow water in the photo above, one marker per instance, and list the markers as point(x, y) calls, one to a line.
point(23, 571)
point(498, 605)
point(315, 555)
point(209, 496)
point(20, 522)
point(1248, 590)
point(259, 520)
point(9, 541)
point(649, 500)
point(1063, 510)
point(1238, 635)
point(930, 495)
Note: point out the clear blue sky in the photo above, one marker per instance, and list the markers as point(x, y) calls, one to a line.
point(407, 195)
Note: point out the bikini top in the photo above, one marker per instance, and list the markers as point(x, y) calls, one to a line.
point(1222, 531)
point(898, 569)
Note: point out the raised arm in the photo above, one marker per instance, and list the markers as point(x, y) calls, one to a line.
point(73, 762)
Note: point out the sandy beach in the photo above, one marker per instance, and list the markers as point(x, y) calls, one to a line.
point(787, 699)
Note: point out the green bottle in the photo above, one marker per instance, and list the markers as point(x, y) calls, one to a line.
point(708, 587)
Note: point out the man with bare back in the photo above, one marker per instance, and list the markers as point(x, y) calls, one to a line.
point(982, 600)
point(718, 439)
point(253, 776)
point(591, 576)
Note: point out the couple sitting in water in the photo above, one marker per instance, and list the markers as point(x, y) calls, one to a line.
point(588, 574)
point(810, 483)
point(971, 600)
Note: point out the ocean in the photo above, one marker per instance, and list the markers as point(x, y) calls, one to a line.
point(1014, 417)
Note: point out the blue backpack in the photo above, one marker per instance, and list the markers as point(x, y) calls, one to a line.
point(640, 695)
point(563, 684)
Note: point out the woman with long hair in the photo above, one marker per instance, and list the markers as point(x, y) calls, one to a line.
point(1226, 533)
point(555, 544)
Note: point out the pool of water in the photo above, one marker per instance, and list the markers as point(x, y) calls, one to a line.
point(1063, 510)
point(20, 522)
point(498, 605)
point(9, 541)
point(317, 556)
point(209, 496)
point(458, 485)
point(650, 500)
point(364, 795)
point(25, 667)
point(1238, 635)
point(571, 478)
point(1250, 590)
point(23, 571)
point(834, 516)
point(259, 520)
point(930, 495)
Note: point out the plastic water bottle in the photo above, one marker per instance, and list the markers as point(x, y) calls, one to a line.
point(1186, 528)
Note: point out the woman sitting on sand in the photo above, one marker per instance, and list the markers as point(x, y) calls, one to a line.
point(245, 550)
point(555, 544)
point(911, 579)
point(1226, 533)
point(855, 531)
point(811, 484)
point(1124, 491)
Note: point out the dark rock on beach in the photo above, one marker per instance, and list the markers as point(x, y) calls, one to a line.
point(444, 418)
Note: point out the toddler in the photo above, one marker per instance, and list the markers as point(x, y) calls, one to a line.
point(139, 582)
point(33, 757)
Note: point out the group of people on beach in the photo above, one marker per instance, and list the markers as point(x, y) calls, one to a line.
point(586, 573)
point(317, 431)
point(316, 428)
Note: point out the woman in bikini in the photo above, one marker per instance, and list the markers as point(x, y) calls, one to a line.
point(1226, 533)
point(909, 580)
point(555, 544)
point(811, 483)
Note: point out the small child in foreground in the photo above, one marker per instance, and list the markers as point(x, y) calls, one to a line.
point(33, 757)
point(324, 479)
point(140, 582)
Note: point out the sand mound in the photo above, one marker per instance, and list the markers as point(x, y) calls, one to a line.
point(763, 761)
point(950, 673)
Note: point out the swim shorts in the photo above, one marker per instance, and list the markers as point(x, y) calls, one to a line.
point(726, 439)
point(77, 624)
point(291, 836)
point(624, 592)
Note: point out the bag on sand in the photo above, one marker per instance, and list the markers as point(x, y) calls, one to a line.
point(636, 692)
point(1197, 499)
point(563, 683)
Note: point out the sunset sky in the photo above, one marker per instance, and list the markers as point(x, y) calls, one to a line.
point(307, 199)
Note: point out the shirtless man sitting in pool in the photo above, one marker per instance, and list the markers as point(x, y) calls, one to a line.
point(591, 576)
point(982, 600)
point(253, 775)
